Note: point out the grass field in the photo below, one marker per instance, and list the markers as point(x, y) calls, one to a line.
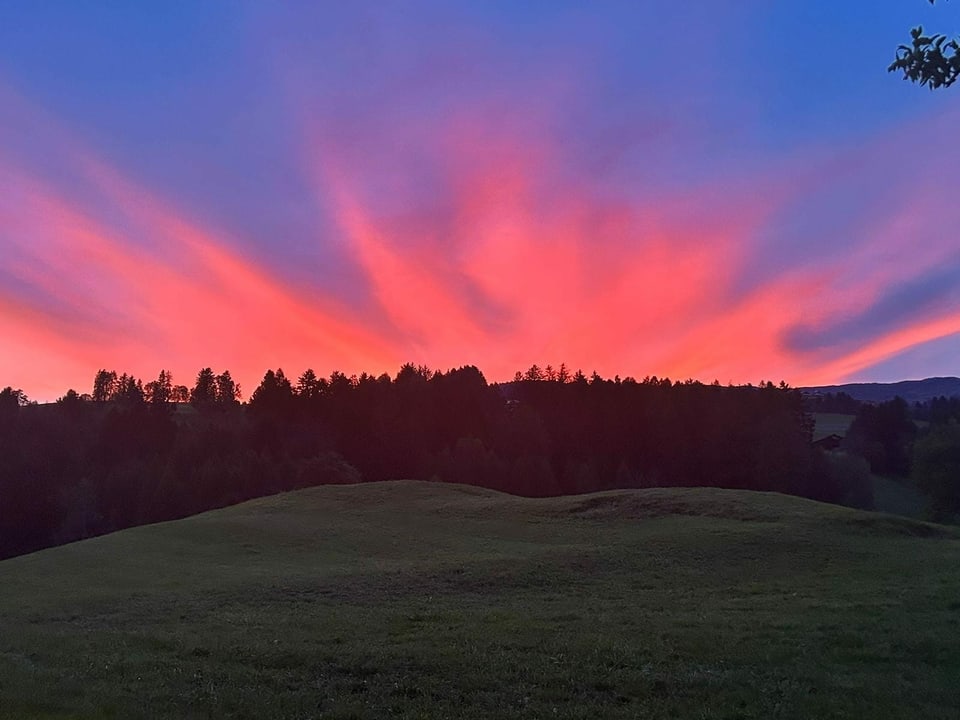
point(417, 600)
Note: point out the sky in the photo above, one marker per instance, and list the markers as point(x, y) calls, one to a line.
point(732, 191)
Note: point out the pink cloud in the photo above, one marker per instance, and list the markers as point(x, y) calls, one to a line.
point(519, 262)
point(189, 302)
point(638, 287)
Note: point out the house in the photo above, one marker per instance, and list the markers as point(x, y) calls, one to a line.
point(829, 442)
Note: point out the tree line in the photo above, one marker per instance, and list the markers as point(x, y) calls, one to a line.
point(129, 452)
point(918, 445)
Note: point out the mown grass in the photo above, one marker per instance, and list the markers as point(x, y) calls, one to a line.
point(417, 600)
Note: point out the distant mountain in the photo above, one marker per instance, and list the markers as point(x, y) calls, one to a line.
point(910, 390)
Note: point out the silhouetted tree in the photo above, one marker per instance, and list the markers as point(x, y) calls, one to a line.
point(883, 434)
point(73, 407)
point(936, 469)
point(160, 390)
point(413, 375)
point(274, 395)
point(104, 385)
point(340, 383)
point(840, 477)
point(228, 392)
point(129, 390)
point(11, 399)
point(70, 397)
point(204, 391)
point(839, 402)
point(930, 60)
point(309, 386)
point(939, 410)
point(534, 373)
point(471, 463)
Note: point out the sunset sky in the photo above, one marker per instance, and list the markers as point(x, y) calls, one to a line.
point(718, 190)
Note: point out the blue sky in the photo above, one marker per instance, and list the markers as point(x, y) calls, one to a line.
point(736, 191)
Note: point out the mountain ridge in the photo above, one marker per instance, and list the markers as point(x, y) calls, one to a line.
point(910, 390)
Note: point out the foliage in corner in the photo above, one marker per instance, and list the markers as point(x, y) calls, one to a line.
point(930, 60)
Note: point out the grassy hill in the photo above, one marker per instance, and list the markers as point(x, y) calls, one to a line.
point(420, 600)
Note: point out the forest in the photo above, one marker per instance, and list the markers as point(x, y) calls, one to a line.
point(130, 453)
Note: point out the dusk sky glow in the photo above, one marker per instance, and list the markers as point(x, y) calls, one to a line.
point(671, 189)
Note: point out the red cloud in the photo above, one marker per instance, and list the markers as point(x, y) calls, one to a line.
point(99, 298)
point(524, 264)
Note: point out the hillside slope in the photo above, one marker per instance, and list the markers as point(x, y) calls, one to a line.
point(412, 599)
point(910, 390)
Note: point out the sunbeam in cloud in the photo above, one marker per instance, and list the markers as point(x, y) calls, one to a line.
point(687, 284)
point(510, 274)
point(599, 286)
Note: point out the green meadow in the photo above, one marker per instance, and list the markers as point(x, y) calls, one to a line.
point(418, 600)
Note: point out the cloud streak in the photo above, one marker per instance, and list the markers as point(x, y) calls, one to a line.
point(92, 298)
point(665, 285)
point(484, 196)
